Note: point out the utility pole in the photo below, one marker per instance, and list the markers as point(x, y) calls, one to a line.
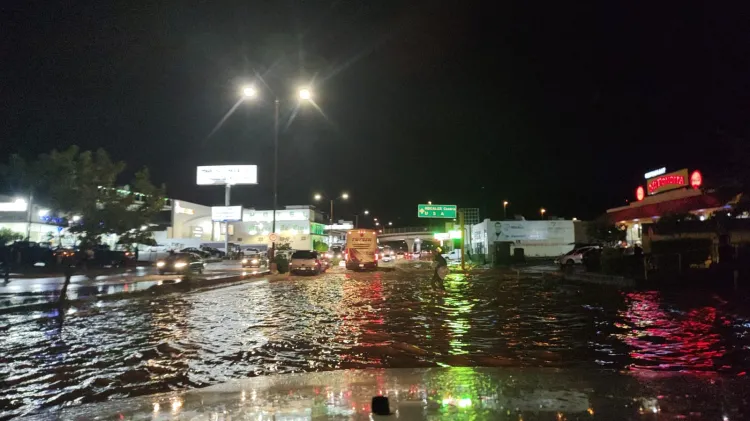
point(227, 191)
point(463, 239)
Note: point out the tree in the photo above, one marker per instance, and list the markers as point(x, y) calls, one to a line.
point(84, 183)
point(603, 231)
point(320, 246)
point(7, 236)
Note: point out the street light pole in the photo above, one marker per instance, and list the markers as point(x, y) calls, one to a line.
point(275, 179)
point(505, 208)
point(306, 95)
point(331, 214)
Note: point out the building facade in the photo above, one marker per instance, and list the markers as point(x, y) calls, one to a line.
point(298, 226)
point(537, 238)
point(663, 193)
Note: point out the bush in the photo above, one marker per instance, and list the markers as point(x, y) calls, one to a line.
point(282, 264)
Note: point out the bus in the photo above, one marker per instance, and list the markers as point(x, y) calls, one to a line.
point(361, 249)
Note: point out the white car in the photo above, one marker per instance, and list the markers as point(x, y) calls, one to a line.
point(573, 257)
point(306, 261)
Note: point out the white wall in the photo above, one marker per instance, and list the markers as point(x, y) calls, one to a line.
point(537, 238)
point(294, 232)
point(191, 220)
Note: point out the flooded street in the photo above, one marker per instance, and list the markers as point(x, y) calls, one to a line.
point(340, 320)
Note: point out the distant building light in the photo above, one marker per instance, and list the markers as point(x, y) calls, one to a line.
point(18, 205)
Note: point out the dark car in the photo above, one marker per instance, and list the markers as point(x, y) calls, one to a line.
point(592, 259)
point(254, 260)
point(180, 263)
point(202, 253)
point(213, 251)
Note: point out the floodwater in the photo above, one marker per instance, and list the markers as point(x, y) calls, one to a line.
point(340, 320)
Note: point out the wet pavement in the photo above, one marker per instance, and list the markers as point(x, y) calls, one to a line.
point(26, 290)
point(115, 349)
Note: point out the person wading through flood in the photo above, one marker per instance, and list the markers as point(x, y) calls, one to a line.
point(441, 269)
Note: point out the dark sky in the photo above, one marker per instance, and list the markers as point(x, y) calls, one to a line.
point(550, 104)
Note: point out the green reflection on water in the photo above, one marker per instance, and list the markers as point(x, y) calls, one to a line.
point(458, 309)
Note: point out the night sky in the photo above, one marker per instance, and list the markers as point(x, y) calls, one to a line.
point(549, 104)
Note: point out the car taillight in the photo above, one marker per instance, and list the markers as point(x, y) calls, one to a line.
point(376, 257)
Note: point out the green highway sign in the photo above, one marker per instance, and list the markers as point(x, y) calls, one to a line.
point(436, 211)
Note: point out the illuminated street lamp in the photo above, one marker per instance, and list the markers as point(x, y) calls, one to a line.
point(542, 211)
point(505, 209)
point(377, 223)
point(343, 196)
point(390, 223)
point(366, 212)
point(249, 92)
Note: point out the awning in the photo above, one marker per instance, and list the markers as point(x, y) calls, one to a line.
point(677, 206)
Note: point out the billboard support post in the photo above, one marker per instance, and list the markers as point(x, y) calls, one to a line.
point(216, 175)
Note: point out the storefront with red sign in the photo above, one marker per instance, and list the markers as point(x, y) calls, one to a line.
point(663, 193)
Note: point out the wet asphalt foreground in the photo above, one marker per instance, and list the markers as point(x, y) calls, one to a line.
point(339, 320)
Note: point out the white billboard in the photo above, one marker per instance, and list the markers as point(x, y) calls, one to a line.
point(226, 213)
point(227, 174)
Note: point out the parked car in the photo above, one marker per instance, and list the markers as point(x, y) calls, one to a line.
point(573, 257)
point(254, 260)
point(213, 251)
point(181, 263)
point(202, 253)
point(306, 261)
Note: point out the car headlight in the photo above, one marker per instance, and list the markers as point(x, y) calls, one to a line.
point(254, 261)
point(159, 264)
point(244, 260)
point(180, 265)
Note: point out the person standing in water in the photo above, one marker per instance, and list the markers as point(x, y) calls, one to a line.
point(441, 269)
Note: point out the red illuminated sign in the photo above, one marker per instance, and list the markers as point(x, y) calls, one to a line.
point(640, 193)
point(662, 183)
point(696, 179)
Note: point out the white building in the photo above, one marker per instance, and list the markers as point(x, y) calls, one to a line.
point(298, 226)
point(33, 220)
point(537, 238)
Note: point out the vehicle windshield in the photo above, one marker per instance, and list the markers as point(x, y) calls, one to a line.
point(305, 205)
point(304, 254)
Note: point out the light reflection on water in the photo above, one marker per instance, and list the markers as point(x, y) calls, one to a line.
point(141, 346)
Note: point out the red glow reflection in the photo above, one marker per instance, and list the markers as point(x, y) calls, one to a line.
point(670, 341)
